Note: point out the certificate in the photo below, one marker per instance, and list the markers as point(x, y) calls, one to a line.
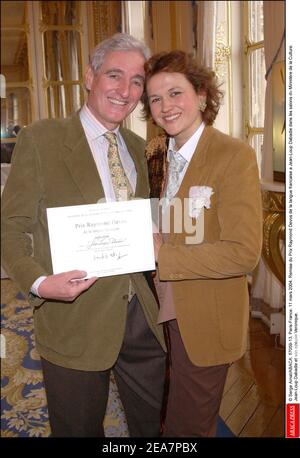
point(102, 239)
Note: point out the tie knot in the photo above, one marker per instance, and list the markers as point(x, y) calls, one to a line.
point(177, 162)
point(111, 138)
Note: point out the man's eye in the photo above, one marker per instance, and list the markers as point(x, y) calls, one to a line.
point(113, 75)
point(175, 93)
point(138, 83)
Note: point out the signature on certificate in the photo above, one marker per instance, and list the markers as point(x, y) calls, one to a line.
point(117, 255)
point(104, 240)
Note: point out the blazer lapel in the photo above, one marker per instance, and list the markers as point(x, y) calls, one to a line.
point(193, 173)
point(80, 162)
point(142, 189)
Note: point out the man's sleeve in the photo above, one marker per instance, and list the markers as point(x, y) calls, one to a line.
point(20, 201)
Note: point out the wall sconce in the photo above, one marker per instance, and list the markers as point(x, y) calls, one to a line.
point(278, 99)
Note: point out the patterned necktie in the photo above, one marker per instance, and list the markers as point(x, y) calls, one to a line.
point(121, 184)
point(176, 165)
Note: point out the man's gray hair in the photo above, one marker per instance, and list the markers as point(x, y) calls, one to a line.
point(118, 42)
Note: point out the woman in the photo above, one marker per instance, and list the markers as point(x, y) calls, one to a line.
point(201, 281)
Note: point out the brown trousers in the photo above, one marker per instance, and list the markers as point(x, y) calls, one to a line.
point(195, 392)
point(77, 399)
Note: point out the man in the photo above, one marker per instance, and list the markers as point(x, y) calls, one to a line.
point(85, 328)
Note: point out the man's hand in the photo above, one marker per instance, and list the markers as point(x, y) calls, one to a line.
point(65, 286)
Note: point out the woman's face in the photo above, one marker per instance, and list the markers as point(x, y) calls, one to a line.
point(174, 105)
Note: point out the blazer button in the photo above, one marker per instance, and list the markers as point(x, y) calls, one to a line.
point(125, 297)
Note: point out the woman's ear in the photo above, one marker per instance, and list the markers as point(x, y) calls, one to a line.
point(202, 101)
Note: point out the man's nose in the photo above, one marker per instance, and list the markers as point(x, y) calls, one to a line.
point(124, 88)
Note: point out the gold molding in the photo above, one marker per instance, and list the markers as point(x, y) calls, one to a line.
point(14, 84)
point(248, 46)
point(274, 232)
point(22, 27)
point(273, 201)
point(47, 83)
point(223, 59)
point(250, 130)
point(45, 27)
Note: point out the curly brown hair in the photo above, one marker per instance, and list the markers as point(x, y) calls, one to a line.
point(202, 78)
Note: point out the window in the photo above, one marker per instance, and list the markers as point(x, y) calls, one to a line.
point(17, 91)
point(255, 69)
point(62, 51)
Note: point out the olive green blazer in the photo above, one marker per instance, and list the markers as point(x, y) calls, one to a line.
point(53, 166)
point(209, 279)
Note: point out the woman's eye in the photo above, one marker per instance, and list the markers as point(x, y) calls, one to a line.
point(156, 99)
point(175, 93)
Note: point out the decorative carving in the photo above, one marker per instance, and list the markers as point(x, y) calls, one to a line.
point(223, 51)
point(274, 232)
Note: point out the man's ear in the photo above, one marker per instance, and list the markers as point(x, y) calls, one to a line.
point(88, 77)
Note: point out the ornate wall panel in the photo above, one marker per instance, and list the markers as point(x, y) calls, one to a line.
point(274, 232)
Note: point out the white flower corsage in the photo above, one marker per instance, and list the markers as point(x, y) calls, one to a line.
point(199, 197)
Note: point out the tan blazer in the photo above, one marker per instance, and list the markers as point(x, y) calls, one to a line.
point(53, 166)
point(209, 279)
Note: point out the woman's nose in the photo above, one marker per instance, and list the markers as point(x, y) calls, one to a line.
point(166, 104)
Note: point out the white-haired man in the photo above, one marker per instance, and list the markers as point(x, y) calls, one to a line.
point(86, 328)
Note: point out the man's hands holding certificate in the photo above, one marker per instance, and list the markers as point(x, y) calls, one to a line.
point(104, 239)
point(65, 286)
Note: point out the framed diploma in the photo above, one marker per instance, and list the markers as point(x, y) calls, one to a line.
point(103, 239)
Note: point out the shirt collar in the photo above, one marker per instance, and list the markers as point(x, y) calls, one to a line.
point(93, 128)
point(188, 149)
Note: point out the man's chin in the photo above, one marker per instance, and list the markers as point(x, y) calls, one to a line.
point(117, 118)
point(113, 123)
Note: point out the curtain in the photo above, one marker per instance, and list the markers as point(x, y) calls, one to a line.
point(214, 50)
point(206, 39)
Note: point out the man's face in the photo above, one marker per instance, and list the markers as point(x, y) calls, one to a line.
point(116, 88)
